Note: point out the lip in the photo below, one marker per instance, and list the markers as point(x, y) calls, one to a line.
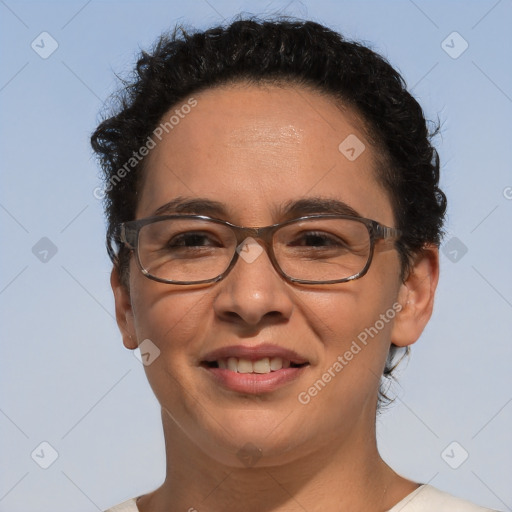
point(253, 353)
point(253, 383)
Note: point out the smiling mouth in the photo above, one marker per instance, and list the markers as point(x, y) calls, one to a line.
point(259, 366)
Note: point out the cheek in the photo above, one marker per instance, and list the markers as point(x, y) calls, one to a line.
point(355, 328)
point(173, 322)
point(171, 318)
point(164, 313)
point(351, 310)
point(355, 320)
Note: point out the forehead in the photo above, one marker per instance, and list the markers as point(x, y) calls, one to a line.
point(254, 148)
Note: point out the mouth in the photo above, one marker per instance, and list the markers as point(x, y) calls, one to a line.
point(253, 370)
point(260, 366)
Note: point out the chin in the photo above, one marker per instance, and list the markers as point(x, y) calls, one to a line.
point(245, 440)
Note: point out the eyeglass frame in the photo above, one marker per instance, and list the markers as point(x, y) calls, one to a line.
point(129, 236)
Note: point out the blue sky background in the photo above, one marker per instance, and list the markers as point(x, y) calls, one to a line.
point(65, 377)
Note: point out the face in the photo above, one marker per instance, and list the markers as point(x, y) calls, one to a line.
point(255, 150)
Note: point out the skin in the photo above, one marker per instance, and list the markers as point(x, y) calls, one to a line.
point(254, 148)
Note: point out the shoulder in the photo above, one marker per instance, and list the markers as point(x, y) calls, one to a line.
point(126, 506)
point(428, 499)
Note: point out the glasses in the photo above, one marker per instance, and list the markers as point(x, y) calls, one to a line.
point(195, 249)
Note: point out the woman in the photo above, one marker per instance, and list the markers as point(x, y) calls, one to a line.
point(274, 223)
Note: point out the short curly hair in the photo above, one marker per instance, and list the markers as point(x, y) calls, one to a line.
point(279, 51)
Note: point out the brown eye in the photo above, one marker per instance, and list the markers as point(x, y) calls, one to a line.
point(318, 239)
point(192, 240)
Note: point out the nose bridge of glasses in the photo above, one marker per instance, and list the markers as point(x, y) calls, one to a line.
point(248, 239)
point(260, 234)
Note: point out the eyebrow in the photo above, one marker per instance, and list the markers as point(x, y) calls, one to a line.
point(289, 210)
point(312, 205)
point(196, 205)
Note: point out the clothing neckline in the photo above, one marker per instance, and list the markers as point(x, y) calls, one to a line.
point(409, 497)
point(403, 501)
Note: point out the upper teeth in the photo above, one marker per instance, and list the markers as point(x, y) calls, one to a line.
point(264, 365)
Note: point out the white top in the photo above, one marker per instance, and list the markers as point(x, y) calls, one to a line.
point(424, 499)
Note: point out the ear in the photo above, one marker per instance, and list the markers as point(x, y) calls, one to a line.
point(416, 296)
point(124, 312)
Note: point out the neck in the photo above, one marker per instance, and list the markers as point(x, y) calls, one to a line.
point(346, 474)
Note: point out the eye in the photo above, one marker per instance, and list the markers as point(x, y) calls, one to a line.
point(318, 239)
point(192, 239)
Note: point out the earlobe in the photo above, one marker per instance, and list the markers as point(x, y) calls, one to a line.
point(416, 296)
point(124, 312)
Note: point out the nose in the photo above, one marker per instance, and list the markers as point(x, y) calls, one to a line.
point(253, 293)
